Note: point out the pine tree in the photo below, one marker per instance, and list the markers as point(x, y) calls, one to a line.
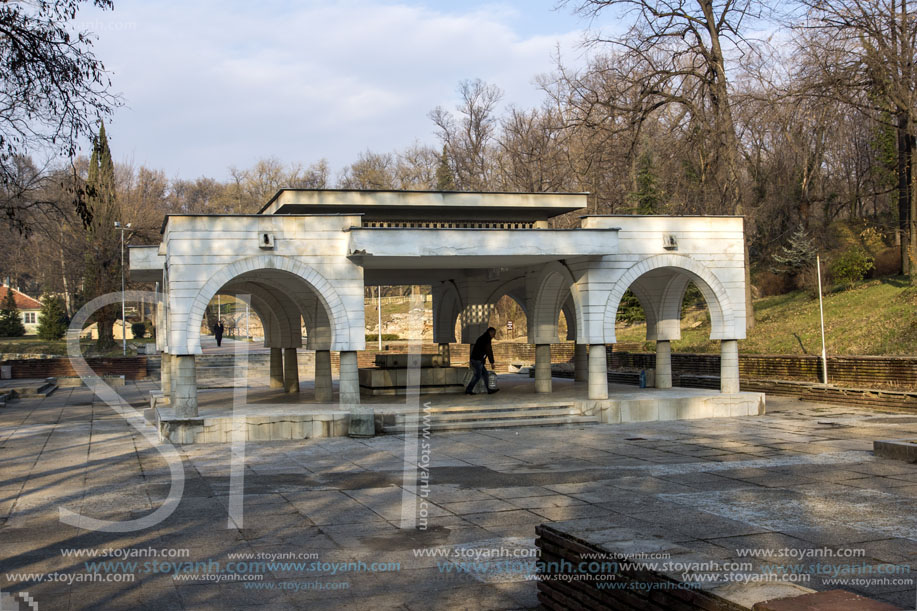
point(10, 319)
point(647, 197)
point(444, 179)
point(796, 256)
point(52, 320)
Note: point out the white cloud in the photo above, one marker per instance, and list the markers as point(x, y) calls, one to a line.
point(214, 84)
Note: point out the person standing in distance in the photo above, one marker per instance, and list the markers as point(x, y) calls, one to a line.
point(482, 350)
point(218, 332)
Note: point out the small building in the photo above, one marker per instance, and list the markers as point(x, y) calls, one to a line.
point(308, 256)
point(28, 308)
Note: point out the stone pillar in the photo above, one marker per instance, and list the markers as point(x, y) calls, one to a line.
point(276, 371)
point(663, 363)
point(323, 387)
point(598, 372)
point(729, 366)
point(580, 363)
point(362, 419)
point(290, 370)
point(184, 386)
point(445, 357)
point(165, 374)
point(543, 368)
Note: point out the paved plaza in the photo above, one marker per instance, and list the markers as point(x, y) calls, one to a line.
point(328, 511)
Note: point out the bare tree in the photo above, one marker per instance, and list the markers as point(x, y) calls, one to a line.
point(469, 136)
point(863, 52)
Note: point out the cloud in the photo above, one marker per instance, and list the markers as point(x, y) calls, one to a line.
point(213, 84)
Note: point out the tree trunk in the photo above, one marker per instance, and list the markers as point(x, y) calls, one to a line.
point(106, 334)
point(904, 194)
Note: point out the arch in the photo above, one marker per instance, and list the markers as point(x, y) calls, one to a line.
point(283, 332)
point(645, 298)
point(722, 316)
point(447, 305)
point(552, 287)
point(330, 300)
point(570, 316)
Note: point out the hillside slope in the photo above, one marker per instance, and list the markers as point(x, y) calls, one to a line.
point(873, 317)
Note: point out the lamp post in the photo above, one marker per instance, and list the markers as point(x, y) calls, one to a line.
point(123, 321)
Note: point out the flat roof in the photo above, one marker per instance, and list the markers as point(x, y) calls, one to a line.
point(401, 205)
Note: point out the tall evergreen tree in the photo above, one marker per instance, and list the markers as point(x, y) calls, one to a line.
point(10, 319)
point(103, 241)
point(444, 179)
point(52, 319)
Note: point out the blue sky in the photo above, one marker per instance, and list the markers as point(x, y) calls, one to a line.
point(208, 85)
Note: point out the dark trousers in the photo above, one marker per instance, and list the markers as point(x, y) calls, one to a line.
point(479, 373)
point(219, 337)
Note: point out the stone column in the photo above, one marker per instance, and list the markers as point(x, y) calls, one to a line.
point(663, 363)
point(362, 419)
point(276, 371)
point(323, 387)
point(290, 371)
point(445, 357)
point(580, 363)
point(598, 372)
point(184, 386)
point(543, 368)
point(165, 374)
point(729, 366)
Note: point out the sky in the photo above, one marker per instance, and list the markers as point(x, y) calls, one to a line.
point(208, 85)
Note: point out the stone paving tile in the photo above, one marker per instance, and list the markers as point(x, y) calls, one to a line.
point(340, 499)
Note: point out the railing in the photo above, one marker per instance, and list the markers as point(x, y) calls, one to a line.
point(448, 225)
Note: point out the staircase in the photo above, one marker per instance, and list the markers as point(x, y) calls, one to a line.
point(469, 417)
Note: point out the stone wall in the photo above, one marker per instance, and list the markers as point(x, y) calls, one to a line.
point(851, 371)
point(132, 368)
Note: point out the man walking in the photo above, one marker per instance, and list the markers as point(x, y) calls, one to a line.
point(218, 332)
point(482, 350)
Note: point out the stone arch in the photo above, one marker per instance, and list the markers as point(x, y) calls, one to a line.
point(324, 291)
point(284, 328)
point(552, 287)
point(447, 306)
point(722, 316)
point(570, 315)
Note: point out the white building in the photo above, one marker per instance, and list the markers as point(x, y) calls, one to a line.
point(308, 254)
point(28, 308)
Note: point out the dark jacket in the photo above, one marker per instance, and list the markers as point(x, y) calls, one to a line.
point(482, 349)
point(218, 330)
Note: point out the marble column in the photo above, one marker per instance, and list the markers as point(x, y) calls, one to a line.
point(184, 386)
point(580, 363)
point(362, 419)
point(598, 372)
point(663, 363)
point(543, 368)
point(729, 366)
point(276, 371)
point(290, 370)
point(165, 374)
point(324, 390)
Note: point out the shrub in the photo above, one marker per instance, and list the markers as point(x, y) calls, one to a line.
point(139, 330)
point(386, 337)
point(852, 265)
point(629, 310)
point(52, 320)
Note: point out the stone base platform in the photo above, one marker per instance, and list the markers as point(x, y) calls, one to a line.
point(272, 415)
point(393, 382)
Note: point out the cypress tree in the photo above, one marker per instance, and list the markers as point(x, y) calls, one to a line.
point(10, 319)
point(103, 248)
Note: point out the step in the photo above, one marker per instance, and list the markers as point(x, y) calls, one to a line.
point(510, 414)
point(495, 424)
point(497, 407)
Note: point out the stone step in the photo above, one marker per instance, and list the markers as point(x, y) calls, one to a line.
point(507, 414)
point(495, 424)
point(498, 408)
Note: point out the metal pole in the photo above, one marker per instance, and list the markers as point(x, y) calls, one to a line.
point(379, 310)
point(248, 331)
point(821, 314)
point(123, 332)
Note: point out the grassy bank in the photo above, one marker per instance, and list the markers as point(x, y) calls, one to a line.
point(872, 317)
